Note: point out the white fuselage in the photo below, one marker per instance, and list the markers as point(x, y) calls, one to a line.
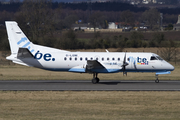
point(112, 61)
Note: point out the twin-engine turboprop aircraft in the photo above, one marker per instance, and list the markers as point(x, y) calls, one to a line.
point(26, 53)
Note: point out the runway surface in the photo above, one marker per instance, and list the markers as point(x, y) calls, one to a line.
point(84, 85)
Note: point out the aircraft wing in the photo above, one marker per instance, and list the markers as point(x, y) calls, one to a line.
point(94, 64)
point(90, 67)
point(97, 67)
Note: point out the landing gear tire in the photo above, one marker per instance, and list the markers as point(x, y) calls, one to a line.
point(95, 80)
point(157, 81)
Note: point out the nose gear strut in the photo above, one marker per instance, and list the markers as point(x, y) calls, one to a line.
point(157, 81)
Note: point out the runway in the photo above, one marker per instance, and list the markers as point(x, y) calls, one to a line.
point(84, 85)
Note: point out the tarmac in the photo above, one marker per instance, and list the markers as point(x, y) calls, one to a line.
point(85, 85)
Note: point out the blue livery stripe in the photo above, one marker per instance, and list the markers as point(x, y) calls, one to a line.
point(22, 40)
point(162, 73)
point(26, 44)
point(81, 70)
point(32, 50)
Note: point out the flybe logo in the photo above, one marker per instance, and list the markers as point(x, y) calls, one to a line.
point(46, 57)
point(142, 61)
point(26, 44)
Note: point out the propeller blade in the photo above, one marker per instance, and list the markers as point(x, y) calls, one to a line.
point(124, 65)
point(124, 59)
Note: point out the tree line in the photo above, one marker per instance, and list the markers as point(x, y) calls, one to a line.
point(43, 22)
point(135, 39)
point(69, 40)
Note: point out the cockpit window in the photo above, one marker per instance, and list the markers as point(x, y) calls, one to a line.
point(153, 58)
point(159, 57)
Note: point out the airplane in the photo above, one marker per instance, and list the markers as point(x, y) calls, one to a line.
point(26, 53)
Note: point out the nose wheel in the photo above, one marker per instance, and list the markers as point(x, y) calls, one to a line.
point(95, 78)
point(156, 81)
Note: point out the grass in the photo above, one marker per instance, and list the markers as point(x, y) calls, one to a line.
point(90, 105)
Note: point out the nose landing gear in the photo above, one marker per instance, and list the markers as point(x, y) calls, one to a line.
point(156, 81)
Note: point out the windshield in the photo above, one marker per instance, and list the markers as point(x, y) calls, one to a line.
point(156, 58)
point(153, 58)
point(159, 58)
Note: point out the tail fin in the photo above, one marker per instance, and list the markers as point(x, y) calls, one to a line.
point(17, 39)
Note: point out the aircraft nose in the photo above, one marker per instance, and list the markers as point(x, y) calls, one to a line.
point(171, 68)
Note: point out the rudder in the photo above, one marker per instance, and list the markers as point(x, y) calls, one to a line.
point(17, 39)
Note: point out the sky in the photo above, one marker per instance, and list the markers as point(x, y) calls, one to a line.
point(72, 0)
point(64, 0)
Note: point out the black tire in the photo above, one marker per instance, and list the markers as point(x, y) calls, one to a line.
point(157, 81)
point(94, 81)
point(97, 80)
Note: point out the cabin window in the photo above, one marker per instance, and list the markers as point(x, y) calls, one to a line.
point(75, 58)
point(153, 58)
point(96, 58)
point(112, 58)
point(107, 58)
point(70, 58)
point(65, 58)
point(86, 59)
point(81, 58)
point(118, 59)
point(102, 59)
point(91, 58)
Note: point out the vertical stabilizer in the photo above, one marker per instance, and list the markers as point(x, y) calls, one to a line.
point(178, 22)
point(17, 39)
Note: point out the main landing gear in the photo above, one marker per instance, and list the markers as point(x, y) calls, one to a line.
point(157, 81)
point(95, 78)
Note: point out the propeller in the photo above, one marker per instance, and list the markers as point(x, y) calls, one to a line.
point(124, 65)
point(135, 65)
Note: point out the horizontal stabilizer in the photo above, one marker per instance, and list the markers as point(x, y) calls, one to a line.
point(24, 53)
point(21, 63)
